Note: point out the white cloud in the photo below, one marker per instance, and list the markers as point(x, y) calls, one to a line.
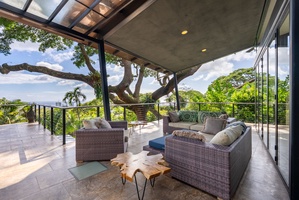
point(214, 69)
point(115, 68)
point(56, 67)
point(66, 82)
point(81, 85)
point(114, 79)
point(222, 66)
point(242, 55)
point(22, 78)
point(24, 46)
point(59, 56)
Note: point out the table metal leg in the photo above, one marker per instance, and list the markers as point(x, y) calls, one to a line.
point(152, 181)
point(123, 180)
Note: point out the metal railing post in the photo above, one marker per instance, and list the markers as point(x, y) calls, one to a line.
point(233, 110)
point(158, 112)
point(52, 121)
point(125, 113)
point(98, 111)
point(35, 111)
point(38, 114)
point(44, 117)
point(63, 127)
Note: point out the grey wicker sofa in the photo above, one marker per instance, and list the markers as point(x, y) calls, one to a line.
point(215, 169)
point(101, 144)
point(169, 127)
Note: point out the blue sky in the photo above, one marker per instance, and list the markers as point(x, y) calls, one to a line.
point(35, 87)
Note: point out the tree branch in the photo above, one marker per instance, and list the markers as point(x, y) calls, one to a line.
point(86, 58)
point(170, 85)
point(5, 69)
point(139, 82)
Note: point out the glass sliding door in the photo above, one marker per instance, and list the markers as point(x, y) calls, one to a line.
point(259, 99)
point(271, 95)
point(283, 99)
point(265, 99)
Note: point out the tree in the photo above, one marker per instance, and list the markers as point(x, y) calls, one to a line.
point(223, 87)
point(191, 97)
point(74, 97)
point(12, 111)
point(118, 94)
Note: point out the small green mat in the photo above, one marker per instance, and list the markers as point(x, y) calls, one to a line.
point(87, 170)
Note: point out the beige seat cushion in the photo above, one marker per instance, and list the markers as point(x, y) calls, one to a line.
point(227, 136)
point(208, 137)
point(197, 127)
point(185, 125)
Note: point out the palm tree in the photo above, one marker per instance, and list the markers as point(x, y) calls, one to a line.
point(74, 96)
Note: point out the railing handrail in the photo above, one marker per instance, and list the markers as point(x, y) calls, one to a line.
point(43, 116)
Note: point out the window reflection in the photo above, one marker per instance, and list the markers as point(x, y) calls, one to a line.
point(69, 13)
point(15, 3)
point(272, 92)
point(283, 99)
point(42, 8)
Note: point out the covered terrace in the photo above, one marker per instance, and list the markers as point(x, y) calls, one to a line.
point(167, 35)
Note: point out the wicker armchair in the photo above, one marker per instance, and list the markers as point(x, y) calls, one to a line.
point(101, 144)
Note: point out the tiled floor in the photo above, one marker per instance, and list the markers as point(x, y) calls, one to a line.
point(34, 165)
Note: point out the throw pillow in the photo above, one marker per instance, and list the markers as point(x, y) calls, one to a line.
point(188, 116)
point(202, 115)
point(223, 116)
point(213, 125)
point(174, 117)
point(238, 123)
point(227, 136)
point(104, 124)
point(189, 134)
point(89, 124)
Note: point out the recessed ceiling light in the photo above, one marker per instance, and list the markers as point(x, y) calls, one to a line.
point(203, 50)
point(184, 32)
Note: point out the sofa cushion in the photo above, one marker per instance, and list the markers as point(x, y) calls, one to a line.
point(189, 134)
point(202, 115)
point(180, 124)
point(238, 123)
point(102, 123)
point(158, 143)
point(227, 136)
point(174, 117)
point(196, 127)
point(89, 124)
point(105, 124)
point(208, 137)
point(223, 116)
point(213, 125)
point(188, 116)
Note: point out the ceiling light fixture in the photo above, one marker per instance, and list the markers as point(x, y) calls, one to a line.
point(184, 32)
point(203, 50)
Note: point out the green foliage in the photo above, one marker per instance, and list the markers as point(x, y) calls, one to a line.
point(190, 96)
point(14, 31)
point(12, 111)
point(223, 87)
point(74, 96)
point(78, 58)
